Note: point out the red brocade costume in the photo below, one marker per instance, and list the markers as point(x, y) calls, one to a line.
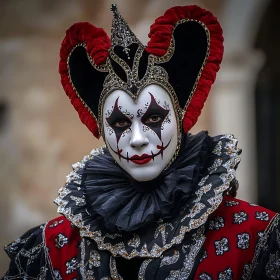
point(184, 223)
point(232, 249)
point(234, 233)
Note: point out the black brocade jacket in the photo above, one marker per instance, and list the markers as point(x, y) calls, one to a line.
point(189, 227)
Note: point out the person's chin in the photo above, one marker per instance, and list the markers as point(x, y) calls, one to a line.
point(144, 173)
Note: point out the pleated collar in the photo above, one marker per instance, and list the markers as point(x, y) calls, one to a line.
point(108, 207)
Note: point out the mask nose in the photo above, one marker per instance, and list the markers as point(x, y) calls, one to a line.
point(138, 137)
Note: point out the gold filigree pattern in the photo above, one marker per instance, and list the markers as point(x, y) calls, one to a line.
point(86, 274)
point(198, 238)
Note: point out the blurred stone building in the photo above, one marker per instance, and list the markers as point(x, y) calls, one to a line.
point(41, 135)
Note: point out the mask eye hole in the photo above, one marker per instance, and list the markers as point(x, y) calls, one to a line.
point(154, 116)
point(153, 119)
point(118, 121)
point(124, 123)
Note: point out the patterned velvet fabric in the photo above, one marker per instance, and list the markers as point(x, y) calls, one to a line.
point(239, 241)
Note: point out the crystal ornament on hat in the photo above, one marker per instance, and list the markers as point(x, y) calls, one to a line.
point(121, 34)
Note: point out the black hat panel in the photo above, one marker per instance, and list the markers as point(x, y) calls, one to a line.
point(87, 81)
point(143, 63)
point(191, 50)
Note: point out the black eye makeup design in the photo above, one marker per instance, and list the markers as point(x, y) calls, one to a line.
point(118, 121)
point(154, 116)
point(153, 119)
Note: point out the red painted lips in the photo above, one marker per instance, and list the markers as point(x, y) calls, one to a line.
point(143, 159)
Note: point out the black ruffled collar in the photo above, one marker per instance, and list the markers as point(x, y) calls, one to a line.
point(120, 203)
point(111, 208)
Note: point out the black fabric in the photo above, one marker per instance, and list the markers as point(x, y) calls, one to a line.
point(184, 66)
point(28, 260)
point(128, 269)
point(188, 255)
point(119, 70)
point(87, 80)
point(143, 65)
point(267, 264)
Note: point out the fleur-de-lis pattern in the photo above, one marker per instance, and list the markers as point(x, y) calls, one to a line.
point(242, 231)
point(60, 240)
point(222, 246)
point(71, 265)
point(205, 276)
point(216, 223)
point(263, 216)
point(243, 241)
point(227, 274)
point(231, 203)
point(240, 217)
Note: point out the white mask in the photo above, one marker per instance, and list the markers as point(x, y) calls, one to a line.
point(141, 136)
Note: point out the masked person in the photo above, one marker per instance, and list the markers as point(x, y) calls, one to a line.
point(155, 202)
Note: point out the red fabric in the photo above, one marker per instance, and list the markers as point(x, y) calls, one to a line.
point(212, 264)
point(235, 258)
point(97, 45)
point(160, 37)
point(62, 252)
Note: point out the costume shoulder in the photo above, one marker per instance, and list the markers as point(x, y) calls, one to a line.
point(243, 215)
point(41, 252)
point(245, 234)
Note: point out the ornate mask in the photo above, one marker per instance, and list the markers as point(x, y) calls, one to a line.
point(142, 137)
